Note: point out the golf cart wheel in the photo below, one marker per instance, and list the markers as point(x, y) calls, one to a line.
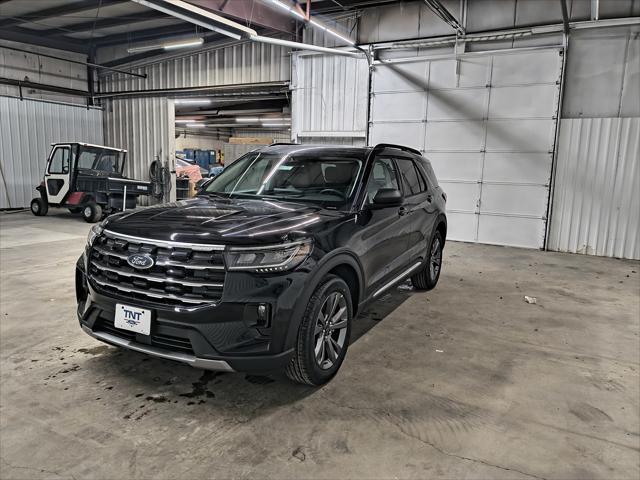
point(39, 207)
point(92, 212)
point(323, 336)
point(427, 279)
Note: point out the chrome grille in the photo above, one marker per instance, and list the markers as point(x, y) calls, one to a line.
point(183, 274)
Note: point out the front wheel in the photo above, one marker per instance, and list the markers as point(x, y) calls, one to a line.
point(427, 279)
point(39, 207)
point(323, 337)
point(92, 212)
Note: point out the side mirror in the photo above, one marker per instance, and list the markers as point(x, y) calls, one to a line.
point(387, 197)
point(203, 184)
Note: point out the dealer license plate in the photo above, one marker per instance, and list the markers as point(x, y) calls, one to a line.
point(133, 319)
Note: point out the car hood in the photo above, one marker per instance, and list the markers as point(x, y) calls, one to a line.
point(220, 220)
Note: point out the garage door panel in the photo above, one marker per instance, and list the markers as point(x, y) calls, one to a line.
point(401, 106)
point(455, 136)
point(457, 165)
point(457, 104)
point(461, 226)
point(528, 200)
point(524, 101)
point(520, 135)
point(401, 77)
point(461, 196)
point(513, 231)
point(406, 133)
point(517, 167)
point(489, 133)
point(474, 72)
point(525, 68)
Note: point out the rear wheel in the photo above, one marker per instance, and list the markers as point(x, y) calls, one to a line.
point(427, 279)
point(92, 212)
point(323, 337)
point(39, 207)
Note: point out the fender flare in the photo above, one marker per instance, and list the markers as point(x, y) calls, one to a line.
point(324, 266)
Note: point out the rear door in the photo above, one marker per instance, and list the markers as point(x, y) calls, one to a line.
point(57, 176)
point(419, 209)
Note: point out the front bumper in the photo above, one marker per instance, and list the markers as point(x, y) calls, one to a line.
point(226, 336)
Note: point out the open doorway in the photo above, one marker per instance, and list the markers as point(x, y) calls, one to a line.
point(215, 129)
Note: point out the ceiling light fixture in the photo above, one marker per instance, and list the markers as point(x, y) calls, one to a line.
point(276, 124)
point(194, 42)
point(192, 101)
point(195, 125)
point(168, 45)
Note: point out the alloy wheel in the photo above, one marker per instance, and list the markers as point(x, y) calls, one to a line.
point(330, 330)
point(435, 258)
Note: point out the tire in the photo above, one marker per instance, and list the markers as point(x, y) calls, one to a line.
point(39, 207)
point(306, 366)
point(427, 279)
point(92, 212)
point(75, 209)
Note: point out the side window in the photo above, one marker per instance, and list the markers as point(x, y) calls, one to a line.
point(383, 175)
point(412, 181)
point(60, 161)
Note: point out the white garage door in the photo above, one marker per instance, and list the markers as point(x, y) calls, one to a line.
point(489, 131)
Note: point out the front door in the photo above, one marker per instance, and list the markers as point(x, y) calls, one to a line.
point(382, 242)
point(58, 174)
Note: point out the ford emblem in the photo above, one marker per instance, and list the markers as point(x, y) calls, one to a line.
point(141, 261)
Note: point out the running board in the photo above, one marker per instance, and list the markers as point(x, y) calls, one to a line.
point(395, 280)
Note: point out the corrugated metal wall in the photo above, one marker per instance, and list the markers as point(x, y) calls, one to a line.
point(36, 68)
point(329, 99)
point(145, 127)
point(27, 129)
point(595, 203)
point(248, 62)
point(596, 206)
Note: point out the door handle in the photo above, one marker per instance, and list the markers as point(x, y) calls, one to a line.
point(402, 211)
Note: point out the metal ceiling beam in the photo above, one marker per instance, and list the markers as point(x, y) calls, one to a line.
point(66, 9)
point(99, 23)
point(249, 10)
point(24, 35)
point(444, 14)
point(206, 19)
point(43, 87)
point(565, 17)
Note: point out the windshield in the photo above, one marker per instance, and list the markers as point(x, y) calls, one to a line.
point(95, 158)
point(321, 176)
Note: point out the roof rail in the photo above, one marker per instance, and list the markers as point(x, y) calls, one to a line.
point(283, 143)
point(382, 146)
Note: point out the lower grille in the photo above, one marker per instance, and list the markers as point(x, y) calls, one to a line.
point(164, 341)
point(182, 275)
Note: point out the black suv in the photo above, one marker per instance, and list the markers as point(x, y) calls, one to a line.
point(266, 268)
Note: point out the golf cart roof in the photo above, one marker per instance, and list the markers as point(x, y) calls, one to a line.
point(89, 145)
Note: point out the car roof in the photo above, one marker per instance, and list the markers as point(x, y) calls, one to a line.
point(285, 148)
point(89, 145)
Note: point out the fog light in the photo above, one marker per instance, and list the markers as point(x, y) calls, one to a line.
point(263, 315)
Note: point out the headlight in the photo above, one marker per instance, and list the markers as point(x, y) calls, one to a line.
point(94, 233)
point(276, 258)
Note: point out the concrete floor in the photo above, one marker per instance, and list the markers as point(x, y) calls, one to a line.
point(467, 381)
